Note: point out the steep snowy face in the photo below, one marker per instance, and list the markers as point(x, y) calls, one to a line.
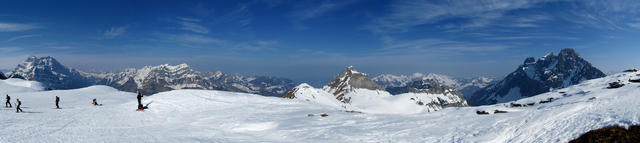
point(450, 97)
point(349, 80)
point(536, 77)
point(51, 73)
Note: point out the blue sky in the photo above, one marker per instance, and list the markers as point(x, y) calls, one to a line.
point(311, 41)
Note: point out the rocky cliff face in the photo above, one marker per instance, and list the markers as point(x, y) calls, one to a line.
point(536, 77)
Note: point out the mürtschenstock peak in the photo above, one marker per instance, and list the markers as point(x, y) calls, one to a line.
point(536, 77)
point(149, 79)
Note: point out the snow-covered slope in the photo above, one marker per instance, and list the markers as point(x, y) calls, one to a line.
point(535, 77)
point(217, 116)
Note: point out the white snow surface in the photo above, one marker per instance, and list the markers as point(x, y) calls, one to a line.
point(217, 116)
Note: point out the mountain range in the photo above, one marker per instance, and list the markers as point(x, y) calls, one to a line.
point(466, 86)
point(533, 77)
point(149, 79)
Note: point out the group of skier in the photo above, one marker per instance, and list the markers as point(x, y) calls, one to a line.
point(94, 102)
point(18, 102)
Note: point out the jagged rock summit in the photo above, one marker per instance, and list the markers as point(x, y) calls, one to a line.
point(349, 80)
point(535, 77)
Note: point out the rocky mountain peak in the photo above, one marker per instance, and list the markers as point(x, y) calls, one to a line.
point(348, 80)
point(532, 78)
point(49, 71)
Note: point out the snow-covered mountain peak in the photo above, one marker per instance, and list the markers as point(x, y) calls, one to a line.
point(535, 77)
point(49, 69)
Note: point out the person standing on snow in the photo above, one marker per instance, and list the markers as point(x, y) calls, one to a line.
point(18, 110)
point(8, 104)
point(57, 101)
point(140, 101)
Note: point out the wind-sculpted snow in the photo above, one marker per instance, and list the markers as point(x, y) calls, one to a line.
point(218, 116)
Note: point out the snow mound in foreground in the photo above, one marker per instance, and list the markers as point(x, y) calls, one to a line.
point(20, 85)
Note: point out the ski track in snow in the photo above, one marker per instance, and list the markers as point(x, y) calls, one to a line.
point(218, 116)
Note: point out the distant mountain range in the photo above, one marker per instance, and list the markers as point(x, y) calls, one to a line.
point(535, 77)
point(149, 79)
point(466, 86)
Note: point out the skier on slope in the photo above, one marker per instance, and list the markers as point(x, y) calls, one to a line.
point(95, 102)
point(140, 107)
point(57, 101)
point(18, 110)
point(8, 104)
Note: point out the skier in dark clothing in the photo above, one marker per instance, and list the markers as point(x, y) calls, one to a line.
point(95, 102)
point(18, 107)
point(140, 107)
point(57, 101)
point(8, 104)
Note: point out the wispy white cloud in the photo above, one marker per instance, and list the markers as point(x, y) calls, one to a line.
point(256, 45)
point(9, 49)
point(241, 16)
point(192, 24)
point(197, 39)
point(193, 27)
point(305, 11)
point(188, 19)
point(431, 45)
point(115, 31)
point(22, 37)
point(407, 14)
point(15, 27)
